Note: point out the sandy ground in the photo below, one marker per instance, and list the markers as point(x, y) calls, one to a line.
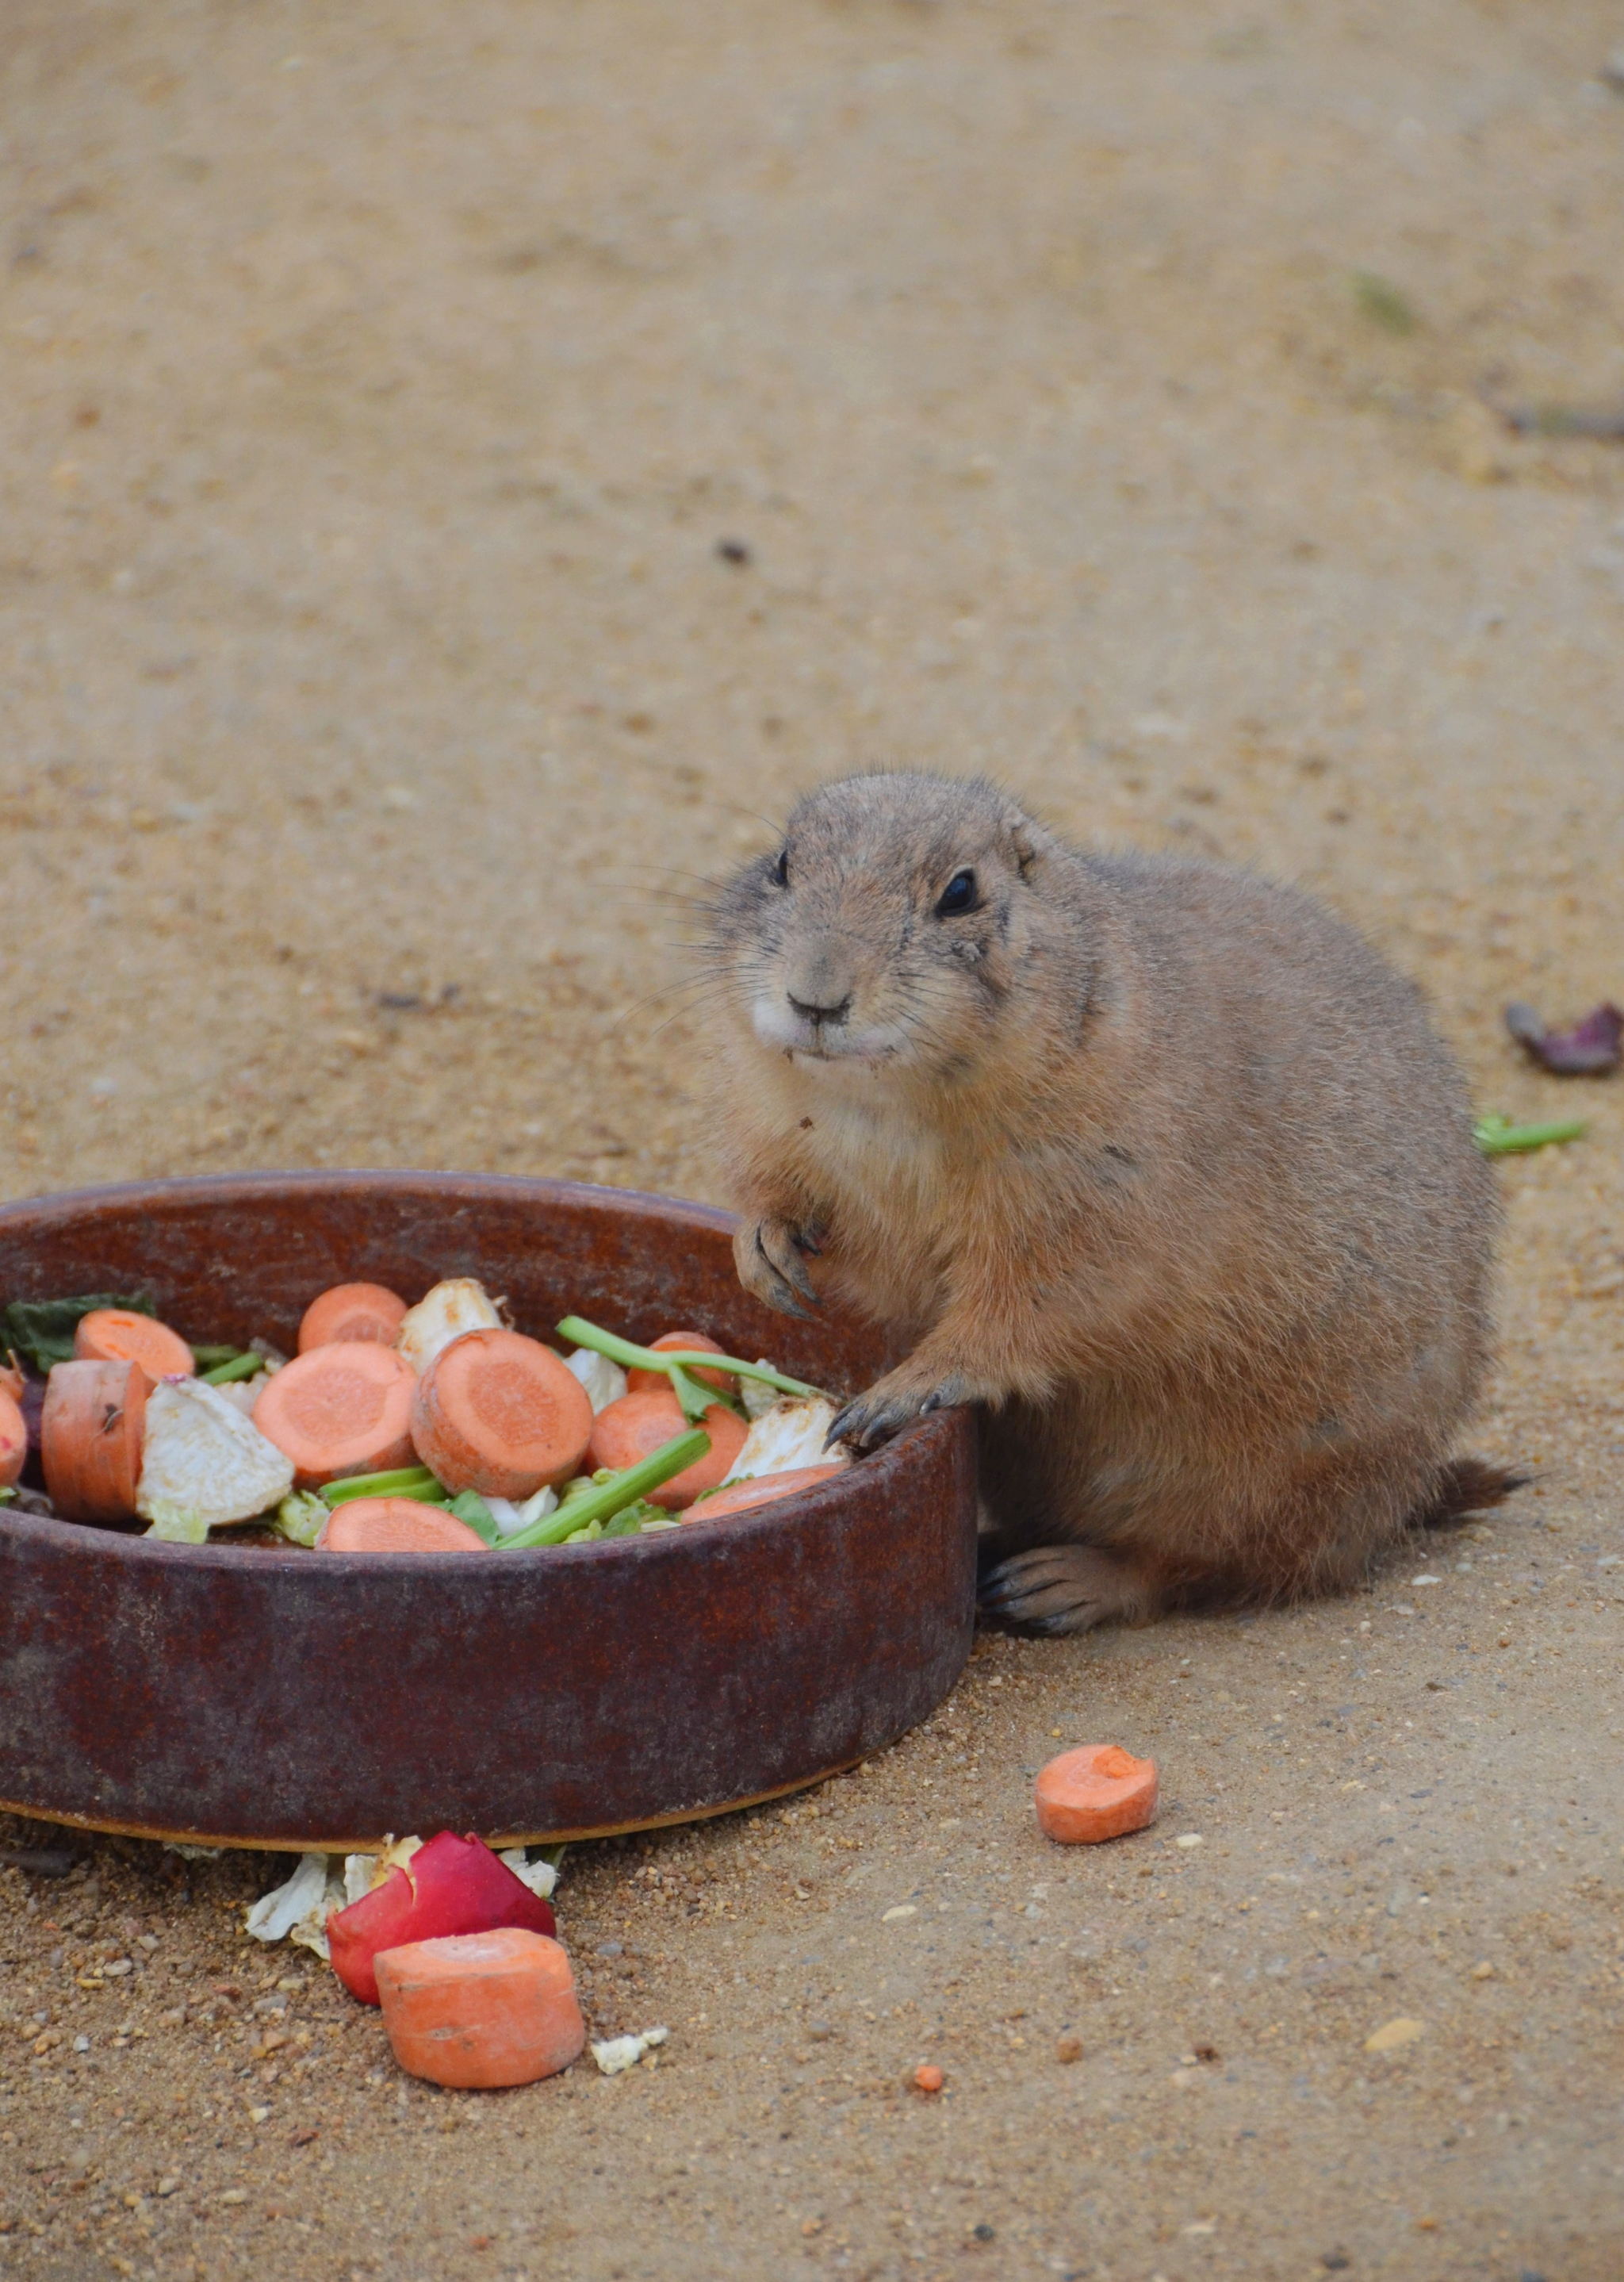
point(379, 385)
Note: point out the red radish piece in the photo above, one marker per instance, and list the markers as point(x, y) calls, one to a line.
point(500, 1413)
point(638, 1424)
point(351, 1311)
point(122, 1335)
point(91, 1432)
point(395, 1525)
point(450, 1885)
point(14, 1439)
point(344, 1409)
point(640, 1380)
point(481, 2010)
point(1100, 1791)
point(763, 1489)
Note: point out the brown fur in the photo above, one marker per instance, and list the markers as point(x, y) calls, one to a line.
point(1158, 1164)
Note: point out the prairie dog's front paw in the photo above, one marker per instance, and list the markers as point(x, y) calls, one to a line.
point(768, 1256)
point(890, 1404)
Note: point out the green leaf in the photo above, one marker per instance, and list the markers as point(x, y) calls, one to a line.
point(400, 1481)
point(471, 1508)
point(238, 1366)
point(1496, 1137)
point(43, 1330)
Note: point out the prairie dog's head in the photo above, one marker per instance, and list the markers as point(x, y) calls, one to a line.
point(887, 929)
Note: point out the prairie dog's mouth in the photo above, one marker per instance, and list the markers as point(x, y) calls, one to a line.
point(777, 1026)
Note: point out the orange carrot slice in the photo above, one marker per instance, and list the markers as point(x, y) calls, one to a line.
point(14, 1439)
point(743, 1497)
point(90, 1433)
point(646, 1382)
point(1098, 1792)
point(351, 1311)
point(638, 1424)
point(118, 1335)
point(343, 1410)
point(395, 1525)
point(500, 1413)
point(479, 2010)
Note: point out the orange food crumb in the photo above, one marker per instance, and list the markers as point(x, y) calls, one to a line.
point(928, 2078)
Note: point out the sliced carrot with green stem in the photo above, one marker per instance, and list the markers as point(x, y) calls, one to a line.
point(638, 1424)
point(639, 1381)
point(90, 1434)
point(500, 1413)
point(120, 1335)
point(351, 1311)
point(672, 1365)
point(343, 1409)
point(602, 1501)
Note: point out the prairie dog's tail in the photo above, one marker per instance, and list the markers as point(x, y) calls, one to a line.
point(1469, 1486)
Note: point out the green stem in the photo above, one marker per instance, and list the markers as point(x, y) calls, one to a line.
point(635, 1358)
point(600, 1504)
point(1497, 1138)
point(242, 1366)
point(406, 1481)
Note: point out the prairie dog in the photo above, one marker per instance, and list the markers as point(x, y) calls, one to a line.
point(1157, 1164)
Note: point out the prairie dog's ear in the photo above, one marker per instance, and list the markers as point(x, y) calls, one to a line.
point(1024, 838)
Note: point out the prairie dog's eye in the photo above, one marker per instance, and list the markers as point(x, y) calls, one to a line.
point(781, 869)
point(958, 896)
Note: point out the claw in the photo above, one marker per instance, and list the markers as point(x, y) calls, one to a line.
point(788, 1272)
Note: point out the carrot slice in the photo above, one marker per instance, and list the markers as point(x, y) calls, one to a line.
point(90, 1433)
point(351, 1311)
point(764, 1490)
point(500, 1413)
point(395, 1525)
point(1098, 1792)
point(478, 2010)
point(118, 1335)
point(638, 1424)
point(344, 1409)
point(14, 1439)
point(646, 1382)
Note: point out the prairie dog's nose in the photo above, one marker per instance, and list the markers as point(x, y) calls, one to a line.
point(812, 1014)
point(818, 982)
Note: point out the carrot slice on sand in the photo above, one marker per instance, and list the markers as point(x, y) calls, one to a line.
point(478, 2010)
point(118, 1335)
point(1098, 1792)
point(90, 1433)
point(14, 1439)
point(646, 1382)
point(765, 1489)
point(638, 1424)
point(351, 1311)
point(343, 1409)
point(395, 1525)
point(500, 1413)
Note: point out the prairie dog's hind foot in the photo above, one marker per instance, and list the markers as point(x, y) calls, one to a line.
point(1053, 1589)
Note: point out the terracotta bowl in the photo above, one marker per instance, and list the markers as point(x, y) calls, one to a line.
point(248, 1696)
